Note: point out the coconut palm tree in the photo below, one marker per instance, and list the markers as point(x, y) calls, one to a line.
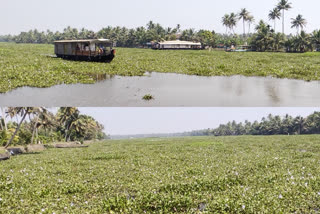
point(12, 112)
point(302, 42)
point(278, 41)
point(35, 113)
point(299, 123)
point(233, 19)
point(250, 21)
point(263, 37)
point(283, 5)
point(315, 38)
point(151, 25)
point(299, 43)
point(299, 22)
point(43, 118)
point(66, 116)
point(86, 127)
point(23, 112)
point(274, 15)
point(47, 121)
point(244, 15)
point(226, 21)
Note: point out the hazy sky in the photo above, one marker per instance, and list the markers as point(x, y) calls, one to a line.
point(169, 120)
point(19, 15)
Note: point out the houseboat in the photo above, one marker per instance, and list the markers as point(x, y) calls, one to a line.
point(89, 50)
point(176, 45)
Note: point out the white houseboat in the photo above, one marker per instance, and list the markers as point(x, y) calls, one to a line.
point(176, 45)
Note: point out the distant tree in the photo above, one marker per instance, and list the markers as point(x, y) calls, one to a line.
point(233, 21)
point(263, 39)
point(299, 43)
point(299, 22)
point(226, 21)
point(302, 42)
point(230, 21)
point(315, 39)
point(188, 35)
point(244, 15)
point(272, 125)
point(250, 21)
point(283, 5)
point(274, 15)
point(298, 124)
point(206, 38)
point(278, 41)
point(150, 25)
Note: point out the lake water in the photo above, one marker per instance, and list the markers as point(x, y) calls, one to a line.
point(172, 90)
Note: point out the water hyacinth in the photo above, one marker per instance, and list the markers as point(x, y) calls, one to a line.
point(32, 65)
point(181, 175)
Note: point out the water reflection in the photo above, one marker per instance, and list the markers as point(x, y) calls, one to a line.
point(272, 91)
point(171, 90)
point(101, 77)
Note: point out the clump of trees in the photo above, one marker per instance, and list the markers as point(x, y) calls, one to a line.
point(28, 125)
point(266, 38)
point(271, 125)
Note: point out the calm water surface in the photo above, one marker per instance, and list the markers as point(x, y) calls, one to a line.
point(171, 90)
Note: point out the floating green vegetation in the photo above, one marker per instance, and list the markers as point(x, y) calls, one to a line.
point(147, 97)
point(276, 174)
point(31, 65)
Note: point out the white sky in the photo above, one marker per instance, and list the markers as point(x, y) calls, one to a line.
point(122, 121)
point(19, 15)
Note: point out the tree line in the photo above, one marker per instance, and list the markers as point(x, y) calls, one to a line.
point(270, 125)
point(28, 125)
point(264, 38)
point(122, 36)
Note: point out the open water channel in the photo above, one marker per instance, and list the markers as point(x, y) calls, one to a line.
point(172, 90)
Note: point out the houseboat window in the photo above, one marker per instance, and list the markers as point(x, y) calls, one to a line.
point(92, 47)
point(86, 47)
point(104, 45)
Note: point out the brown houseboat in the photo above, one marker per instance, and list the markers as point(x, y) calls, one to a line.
point(89, 49)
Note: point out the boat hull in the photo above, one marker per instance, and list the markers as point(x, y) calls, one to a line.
point(107, 58)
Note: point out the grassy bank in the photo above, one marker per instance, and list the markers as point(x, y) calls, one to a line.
point(30, 65)
point(277, 174)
